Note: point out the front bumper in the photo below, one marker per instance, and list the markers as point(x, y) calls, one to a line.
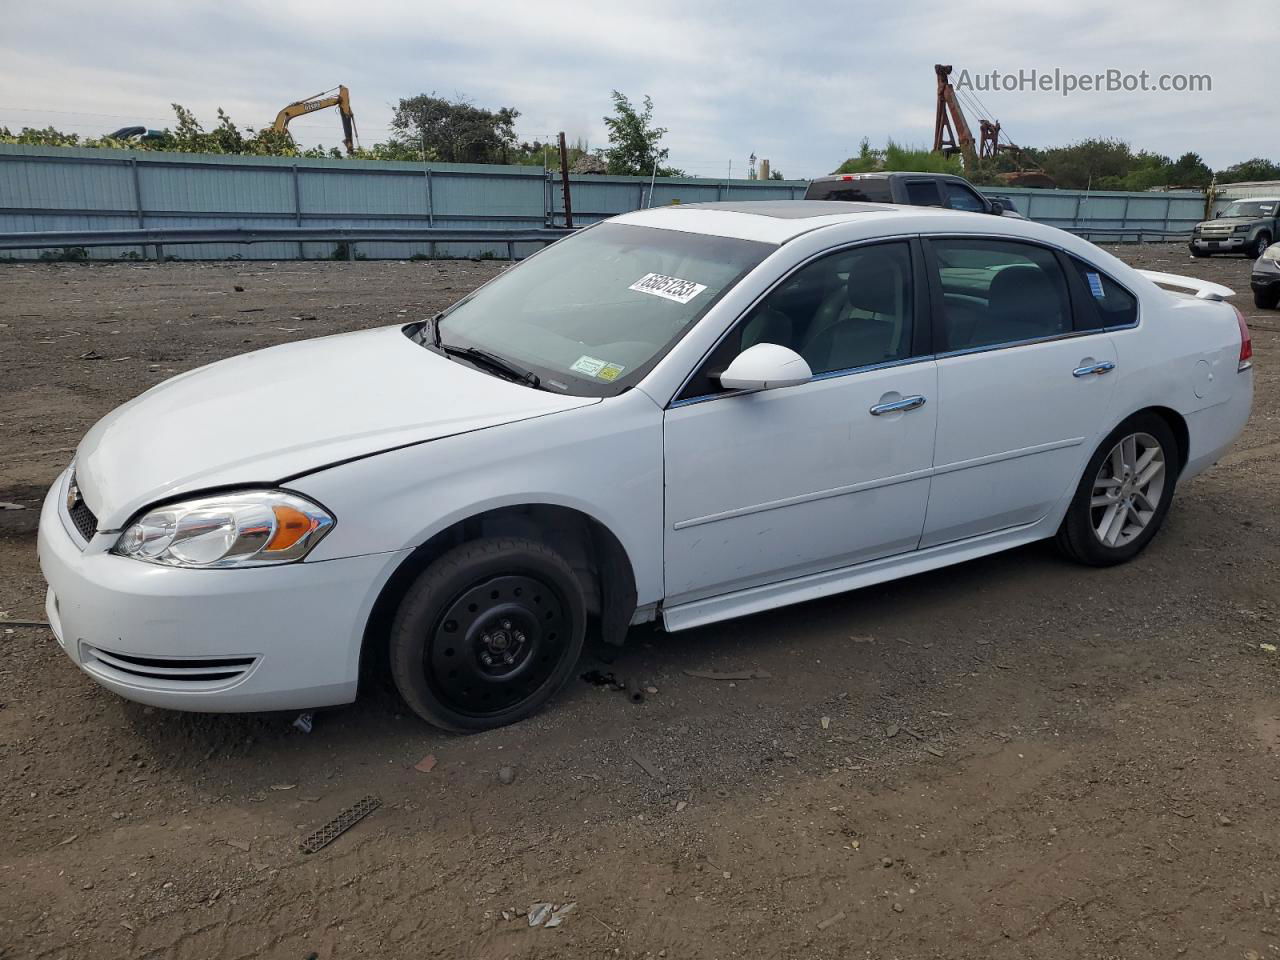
point(263, 638)
point(1219, 244)
point(1265, 282)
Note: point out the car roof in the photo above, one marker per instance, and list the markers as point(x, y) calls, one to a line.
point(776, 221)
point(886, 174)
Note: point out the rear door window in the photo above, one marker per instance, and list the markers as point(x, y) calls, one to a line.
point(923, 193)
point(996, 292)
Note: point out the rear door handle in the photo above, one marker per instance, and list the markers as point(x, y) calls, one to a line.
point(897, 406)
point(1106, 366)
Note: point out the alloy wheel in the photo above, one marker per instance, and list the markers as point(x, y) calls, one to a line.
point(1127, 490)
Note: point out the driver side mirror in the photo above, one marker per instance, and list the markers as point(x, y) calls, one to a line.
point(765, 366)
point(997, 208)
point(1217, 215)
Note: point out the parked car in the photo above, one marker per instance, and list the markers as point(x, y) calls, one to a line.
point(1265, 280)
point(683, 414)
point(915, 189)
point(1245, 226)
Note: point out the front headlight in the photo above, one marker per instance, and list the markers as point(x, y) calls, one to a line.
point(1243, 228)
point(1272, 252)
point(250, 529)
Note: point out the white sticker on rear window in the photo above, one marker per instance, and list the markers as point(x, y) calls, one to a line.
point(669, 288)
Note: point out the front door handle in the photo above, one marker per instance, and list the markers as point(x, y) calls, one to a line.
point(1106, 366)
point(897, 406)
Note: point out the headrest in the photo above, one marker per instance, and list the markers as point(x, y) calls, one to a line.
point(875, 281)
point(1023, 294)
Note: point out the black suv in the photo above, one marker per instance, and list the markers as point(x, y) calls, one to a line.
point(915, 189)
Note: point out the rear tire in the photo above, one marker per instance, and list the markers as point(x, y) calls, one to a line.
point(1266, 299)
point(487, 634)
point(1124, 495)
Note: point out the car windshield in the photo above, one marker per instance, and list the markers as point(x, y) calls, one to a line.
point(1254, 208)
point(591, 314)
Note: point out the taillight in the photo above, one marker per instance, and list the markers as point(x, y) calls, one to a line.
point(1246, 343)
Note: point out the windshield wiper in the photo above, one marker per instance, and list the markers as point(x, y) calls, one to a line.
point(491, 360)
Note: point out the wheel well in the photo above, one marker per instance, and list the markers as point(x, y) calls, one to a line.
point(597, 557)
point(1179, 428)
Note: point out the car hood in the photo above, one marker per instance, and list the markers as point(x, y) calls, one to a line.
point(265, 416)
point(1229, 221)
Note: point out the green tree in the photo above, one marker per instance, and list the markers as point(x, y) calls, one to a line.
point(634, 141)
point(453, 131)
point(894, 156)
point(1257, 168)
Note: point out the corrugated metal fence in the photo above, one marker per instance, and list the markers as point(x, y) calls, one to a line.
point(1108, 215)
point(43, 188)
point(73, 189)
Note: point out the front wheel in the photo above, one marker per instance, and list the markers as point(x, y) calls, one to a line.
point(487, 634)
point(1258, 246)
point(1198, 253)
point(1124, 494)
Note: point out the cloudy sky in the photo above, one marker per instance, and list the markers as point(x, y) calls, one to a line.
point(798, 82)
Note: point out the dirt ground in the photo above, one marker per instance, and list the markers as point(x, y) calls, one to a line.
point(1012, 758)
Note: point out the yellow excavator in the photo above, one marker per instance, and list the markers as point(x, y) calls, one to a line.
point(337, 97)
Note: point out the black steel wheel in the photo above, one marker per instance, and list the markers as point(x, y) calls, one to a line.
point(487, 634)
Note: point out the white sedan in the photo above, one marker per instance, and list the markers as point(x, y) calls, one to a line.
point(684, 414)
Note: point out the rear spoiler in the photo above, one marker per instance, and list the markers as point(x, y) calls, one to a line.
point(1203, 289)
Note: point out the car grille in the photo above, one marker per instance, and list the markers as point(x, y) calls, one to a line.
point(166, 671)
point(82, 517)
point(1216, 231)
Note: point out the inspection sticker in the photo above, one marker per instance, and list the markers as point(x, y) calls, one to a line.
point(601, 369)
point(669, 288)
point(1095, 285)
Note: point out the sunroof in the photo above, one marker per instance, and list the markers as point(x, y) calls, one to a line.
point(789, 209)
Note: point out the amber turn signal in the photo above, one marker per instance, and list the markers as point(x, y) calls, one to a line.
point(291, 526)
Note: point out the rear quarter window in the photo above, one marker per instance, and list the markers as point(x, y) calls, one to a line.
point(1105, 302)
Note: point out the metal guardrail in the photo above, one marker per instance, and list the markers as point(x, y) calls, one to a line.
point(158, 237)
point(1128, 234)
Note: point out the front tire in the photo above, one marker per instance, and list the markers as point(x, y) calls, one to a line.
point(1124, 495)
point(1198, 253)
point(1266, 299)
point(1258, 246)
point(487, 634)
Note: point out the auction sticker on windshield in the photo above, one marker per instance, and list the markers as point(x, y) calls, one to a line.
point(601, 369)
point(669, 288)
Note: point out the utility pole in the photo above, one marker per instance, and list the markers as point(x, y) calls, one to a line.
point(564, 179)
